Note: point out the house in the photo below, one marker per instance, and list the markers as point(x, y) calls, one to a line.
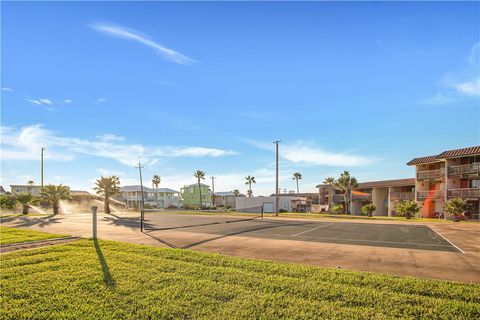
point(35, 190)
point(157, 198)
point(190, 195)
point(450, 174)
point(226, 199)
point(2, 191)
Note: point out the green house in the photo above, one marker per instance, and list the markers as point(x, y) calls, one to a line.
point(191, 195)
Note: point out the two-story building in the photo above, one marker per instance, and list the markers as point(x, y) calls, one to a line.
point(226, 199)
point(190, 195)
point(157, 198)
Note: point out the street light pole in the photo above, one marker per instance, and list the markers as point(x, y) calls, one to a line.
point(276, 177)
point(41, 165)
point(142, 211)
point(213, 190)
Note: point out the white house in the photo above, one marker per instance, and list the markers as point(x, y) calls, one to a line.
point(255, 204)
point(158, 198)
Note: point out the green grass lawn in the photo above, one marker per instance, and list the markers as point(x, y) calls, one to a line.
point(113, 280)
point(13, 235)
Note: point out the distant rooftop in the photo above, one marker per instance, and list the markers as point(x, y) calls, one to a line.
point(227, 193)
point(137, 188)
point(381, 183)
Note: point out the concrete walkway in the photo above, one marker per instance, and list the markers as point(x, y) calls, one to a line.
point(458, 266)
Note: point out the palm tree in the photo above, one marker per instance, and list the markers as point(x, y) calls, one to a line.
point(107, 186)
point(347, 183)
point(330, 181)
point(250, 180)
point(25, 199)
point(297, 176)
point(156, 182)
point(455, 207)
point(236, 192)
point(53, 194)
point(200, 175)
point(407, 208)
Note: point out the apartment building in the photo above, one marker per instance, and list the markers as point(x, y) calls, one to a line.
point(157, 198)
point(450, 174)
point(190, 195)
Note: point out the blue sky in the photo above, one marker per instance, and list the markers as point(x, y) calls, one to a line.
point(182, 86)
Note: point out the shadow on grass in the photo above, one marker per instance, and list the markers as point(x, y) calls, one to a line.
point(107, 276)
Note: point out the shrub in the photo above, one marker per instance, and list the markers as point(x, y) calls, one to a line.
point(455, 207)
point(368, 209)
point(337, 209)
point(7, 202)
point(172, 207)
point(282, 211)
point(407, 208)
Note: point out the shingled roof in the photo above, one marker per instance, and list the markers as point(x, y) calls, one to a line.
point(387, 183)
point(470, 151)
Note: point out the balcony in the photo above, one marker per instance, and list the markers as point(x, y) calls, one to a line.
point(465, 170)
point(464, 193)
point(430, 194)
point(436, 174)
point(408, 195)
point(339, 198)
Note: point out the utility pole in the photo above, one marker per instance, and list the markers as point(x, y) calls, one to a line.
point(142, 210)
point(213, 190)
point(41, 165)
point(276, 177)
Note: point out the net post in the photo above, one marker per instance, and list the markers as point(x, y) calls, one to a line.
point(94, 222)
point(262, 211)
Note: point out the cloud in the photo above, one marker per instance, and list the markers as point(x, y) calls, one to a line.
point(40, 102)
point(471, 88)
point(67, 101)
point(6, 89)
point(136, 36)
point(101, 100)
point(439, 98)
point(302, 152)
point(25, 143)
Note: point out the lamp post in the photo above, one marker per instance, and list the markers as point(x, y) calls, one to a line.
point(142, 211)
point(276, 177)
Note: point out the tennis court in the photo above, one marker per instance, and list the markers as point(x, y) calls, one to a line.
point(419, 237)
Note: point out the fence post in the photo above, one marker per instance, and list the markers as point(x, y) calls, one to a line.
point(94, 222)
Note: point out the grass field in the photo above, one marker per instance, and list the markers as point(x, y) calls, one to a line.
point(13, 235)
point(112, 280)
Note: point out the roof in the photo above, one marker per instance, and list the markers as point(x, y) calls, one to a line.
point(459, 153)
point(2, 190)
point(196, 185)
point(301, 194)
point(387, 183)
point(227, 194)
point(455, 153)
point(137, 188)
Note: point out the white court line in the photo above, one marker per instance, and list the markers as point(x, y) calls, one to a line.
point(325, 225)
point(446, 239)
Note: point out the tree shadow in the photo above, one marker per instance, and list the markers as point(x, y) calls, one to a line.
point(107, 276)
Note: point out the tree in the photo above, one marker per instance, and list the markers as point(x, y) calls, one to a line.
point(107, 186)
point(7, 201)
point(53, 194)
point(26, 199)
point(407, 208)
point(250, 180)
point(297, 176)
point(368, 209)
point(200, 175)
point(330, 181)
point(347, 183)
point(156, 182)
point(455, 207)
point(236, 192)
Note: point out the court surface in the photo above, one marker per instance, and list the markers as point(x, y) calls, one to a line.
point(420, 237)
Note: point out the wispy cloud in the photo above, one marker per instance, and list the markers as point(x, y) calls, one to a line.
point(67, 101)
point(302, 152)
point(6, 89)
point(136, 36)
point(24, 143)
point(462, 82)
point(39, 102)
point(101, 100)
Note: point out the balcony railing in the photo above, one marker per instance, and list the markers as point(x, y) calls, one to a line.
point(407, 195)
point(430, 194)
point(339, 198)
point(466, 169)
point(464, 193)
point(429, 174)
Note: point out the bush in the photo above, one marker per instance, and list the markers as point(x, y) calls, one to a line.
point(7, 202)
point(282, 211)
point(407, 208)
point(172, 207)
point(368, 209)
point(337, 209)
